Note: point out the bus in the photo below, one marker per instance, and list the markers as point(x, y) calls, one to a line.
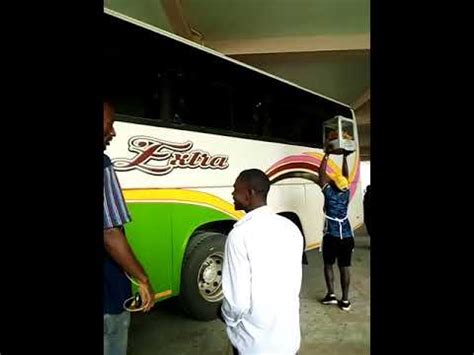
point(188, 121)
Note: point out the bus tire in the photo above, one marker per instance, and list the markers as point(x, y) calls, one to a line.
point(201, 276)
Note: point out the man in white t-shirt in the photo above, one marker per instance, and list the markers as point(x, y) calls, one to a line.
point(262, 274)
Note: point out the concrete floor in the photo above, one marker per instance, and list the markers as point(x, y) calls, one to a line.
point(325, 329)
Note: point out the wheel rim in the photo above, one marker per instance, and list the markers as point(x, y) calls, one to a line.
point(209, 278)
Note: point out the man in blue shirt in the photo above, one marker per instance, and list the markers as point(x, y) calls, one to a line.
point(338, 240)
point(118, 257)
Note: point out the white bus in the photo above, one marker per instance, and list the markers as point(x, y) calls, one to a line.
point(188, 121)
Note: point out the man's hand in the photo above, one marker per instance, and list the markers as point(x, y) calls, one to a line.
point(118, 248)
point(147, 295)
point(338, 151)
point(328, 149)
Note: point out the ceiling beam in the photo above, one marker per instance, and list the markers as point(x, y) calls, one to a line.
point(364, 152)
point(363, 113)
point(180, 26)
point(292, 44)
point(361, 100)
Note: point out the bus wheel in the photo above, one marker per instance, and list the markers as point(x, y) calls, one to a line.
point(201, 276)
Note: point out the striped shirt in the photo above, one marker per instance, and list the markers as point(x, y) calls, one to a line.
point(116, 285)
point(115, 211)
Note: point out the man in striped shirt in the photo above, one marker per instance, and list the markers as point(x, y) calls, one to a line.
point(118, 257)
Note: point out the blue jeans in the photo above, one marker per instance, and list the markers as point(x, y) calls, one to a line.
point(116, 333)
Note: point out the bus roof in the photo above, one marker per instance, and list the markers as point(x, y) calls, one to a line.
point(212, 52)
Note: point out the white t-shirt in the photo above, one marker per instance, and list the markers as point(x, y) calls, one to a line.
point(261, 280)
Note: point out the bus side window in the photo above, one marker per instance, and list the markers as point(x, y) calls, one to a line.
point(261, 119)
point(243, 113)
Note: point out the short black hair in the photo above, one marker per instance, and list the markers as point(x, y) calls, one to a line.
point(257, 180)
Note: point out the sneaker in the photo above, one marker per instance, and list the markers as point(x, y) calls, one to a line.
point(344, 305)
point(329, 299)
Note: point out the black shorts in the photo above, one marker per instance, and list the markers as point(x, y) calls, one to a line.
point(335, 247)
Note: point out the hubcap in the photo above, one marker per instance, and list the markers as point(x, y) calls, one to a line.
point(210, 278)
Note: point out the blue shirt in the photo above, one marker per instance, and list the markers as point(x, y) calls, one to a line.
point(336, 203)
point(117, 287)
